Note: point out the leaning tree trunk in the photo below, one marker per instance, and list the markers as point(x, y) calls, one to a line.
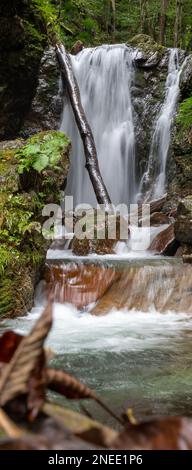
point(92, 164)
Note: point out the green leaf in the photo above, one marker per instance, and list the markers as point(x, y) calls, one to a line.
point(41, 163)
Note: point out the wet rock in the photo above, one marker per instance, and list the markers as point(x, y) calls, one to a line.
point(183, 225)
point(166, 286)
point(165, 243)
point(22, 198)
point(103, 231)
point(158, 218)
point(149, 52)
point(183, 250)
point(187, 259)
point(148, 91)
point(186, 78)
point(81, 284)
point(155, 220)
point(46, 108)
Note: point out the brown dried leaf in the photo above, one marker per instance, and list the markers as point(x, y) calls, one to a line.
point(67, 385)
point(9, 342)
point(72, 388)
point(15, 377)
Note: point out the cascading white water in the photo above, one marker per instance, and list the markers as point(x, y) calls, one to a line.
point(155, 183)
point(104, 75)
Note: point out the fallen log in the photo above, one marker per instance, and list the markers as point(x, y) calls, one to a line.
point(90, 151)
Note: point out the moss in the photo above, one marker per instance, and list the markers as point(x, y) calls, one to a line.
point(146, 44)
point(22, 245)
point(184, 116)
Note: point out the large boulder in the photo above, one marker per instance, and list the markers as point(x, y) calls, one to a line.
point(149, 53)
point(27, 183)
point(183, 225)
point(103, 231)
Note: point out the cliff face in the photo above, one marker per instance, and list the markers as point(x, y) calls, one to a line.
point(22, 41)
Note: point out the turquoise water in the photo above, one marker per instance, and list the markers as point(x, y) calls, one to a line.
point(132, 359)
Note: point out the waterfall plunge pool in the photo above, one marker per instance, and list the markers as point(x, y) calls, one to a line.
point(132, 359)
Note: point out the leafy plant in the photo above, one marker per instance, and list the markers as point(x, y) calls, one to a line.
point(42, 150)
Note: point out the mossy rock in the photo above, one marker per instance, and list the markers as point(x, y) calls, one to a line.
point(24, 191)
point(149, 52)
point(180, 180)
point(103, 231)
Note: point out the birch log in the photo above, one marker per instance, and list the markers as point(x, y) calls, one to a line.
point(90, 151)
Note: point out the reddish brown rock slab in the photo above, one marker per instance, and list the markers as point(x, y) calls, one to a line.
point(80, 284)
point(165, 287)
point(165, 243)
point(158, 218)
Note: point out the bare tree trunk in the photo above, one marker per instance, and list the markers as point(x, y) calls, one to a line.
point(92, 164)
point(113, 15)
point(164, 6)
point(143, 14)
point(178, 23)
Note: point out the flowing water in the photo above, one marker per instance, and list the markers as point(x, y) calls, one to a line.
point(155, 177)
point(105, 75)
point(131, 358)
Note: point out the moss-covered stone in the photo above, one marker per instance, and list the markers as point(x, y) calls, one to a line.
point(149, 52)
point(23, 193)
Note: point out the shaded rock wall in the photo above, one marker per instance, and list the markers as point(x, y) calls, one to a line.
point(47, 105)
point(22, 41)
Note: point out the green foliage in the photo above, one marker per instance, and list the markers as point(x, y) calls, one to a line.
point(91, 21)
point(184, 118)
point(42, 150)
point(49, 13)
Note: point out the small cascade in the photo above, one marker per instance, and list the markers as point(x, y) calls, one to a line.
point(105, 75)
point(153, 180)
point(164, 286)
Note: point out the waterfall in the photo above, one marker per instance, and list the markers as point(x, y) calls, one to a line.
point(105, 75)
point(155, 177)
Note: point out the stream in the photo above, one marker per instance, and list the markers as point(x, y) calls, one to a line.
point(130, 358)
